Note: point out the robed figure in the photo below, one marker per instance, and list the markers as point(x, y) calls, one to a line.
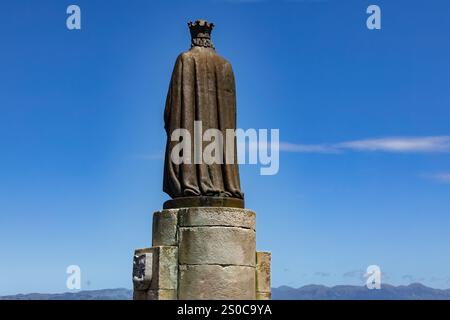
point(202, 90)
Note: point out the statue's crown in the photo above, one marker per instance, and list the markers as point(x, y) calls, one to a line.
point(201, 29)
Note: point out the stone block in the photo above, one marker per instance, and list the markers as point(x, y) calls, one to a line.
point(165, 268)
point(162, 294)
point(140, 294)
point(142, 268)
point(199, 282)
point(217, 245)
point(263, 296)
point(263, 271)
point(214, 216)
point(165, 225)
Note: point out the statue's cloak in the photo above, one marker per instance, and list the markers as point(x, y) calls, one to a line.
point(202, 88)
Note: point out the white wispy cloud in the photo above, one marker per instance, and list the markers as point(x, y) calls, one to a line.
point(430, 144)
point(443, 177)
point(308, 148)
point(358, 274)
point(322, 274)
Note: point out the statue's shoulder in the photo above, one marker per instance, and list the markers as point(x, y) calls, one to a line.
point(185, 56)
point(198, 53)
point(222, 60)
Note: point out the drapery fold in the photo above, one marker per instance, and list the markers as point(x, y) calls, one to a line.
point(202, 88)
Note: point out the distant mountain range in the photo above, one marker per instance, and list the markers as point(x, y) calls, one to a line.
point(414, 291)
point(105, 294)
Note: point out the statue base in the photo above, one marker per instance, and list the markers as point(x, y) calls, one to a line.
point(202, 253)
point(204, 201)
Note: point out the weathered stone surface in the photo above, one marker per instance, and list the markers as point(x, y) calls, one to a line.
point(142, 269)
point(212, 255)
point(211, 216)
point(165, 228)
point(217, 245)
point(165, 268)
point(199, 282)
point(140, 294)
point(162, 294)
point(263, 296)
point(263, 271)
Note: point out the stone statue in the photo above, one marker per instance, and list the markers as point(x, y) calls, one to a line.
point(202, 88)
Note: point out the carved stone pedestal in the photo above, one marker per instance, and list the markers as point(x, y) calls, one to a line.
point(202, 253)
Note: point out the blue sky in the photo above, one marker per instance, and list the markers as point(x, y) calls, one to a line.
point(363, 116)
